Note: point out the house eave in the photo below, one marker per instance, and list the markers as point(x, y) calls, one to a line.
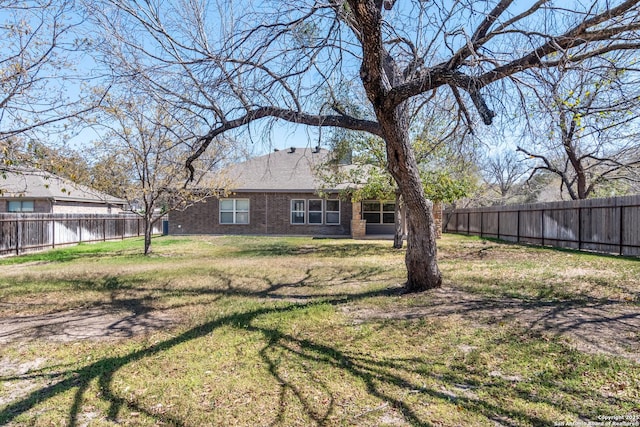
point(280, 190)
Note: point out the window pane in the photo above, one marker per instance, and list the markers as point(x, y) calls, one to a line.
point(14, 206)
point(371, 206)
point(297, 217)
point(242, 218)
point(297, 205)
point(371, 217)
point(242, 205)
point(27, 206)
point(315, 217)
point(226, 205)
point(226, 217)
point(388, 218)
point(389, 207)
point(333, 205)
point(315, 205)
point(333, 218)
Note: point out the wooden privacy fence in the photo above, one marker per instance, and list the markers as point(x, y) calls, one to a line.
point(21, 233)
point(601, 225)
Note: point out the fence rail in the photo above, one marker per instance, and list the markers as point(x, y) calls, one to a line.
point(20, 233)
point(609, 225)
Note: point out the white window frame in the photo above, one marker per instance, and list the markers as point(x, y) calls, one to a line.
point(309, 211)
point(235, 211)
point(327, 211)
point(303, 211)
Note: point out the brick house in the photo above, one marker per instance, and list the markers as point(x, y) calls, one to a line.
point(272, 194)
point(277, 194)
point(24, 190)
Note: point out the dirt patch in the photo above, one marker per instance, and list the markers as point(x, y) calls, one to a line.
point(603, 327)
point(94, 323)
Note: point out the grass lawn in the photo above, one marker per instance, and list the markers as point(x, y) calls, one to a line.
point(257, 331)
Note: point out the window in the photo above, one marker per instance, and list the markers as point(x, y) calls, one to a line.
point(315, 212)
point(332, 212)
point(297, 211)
point(388, 213)
point(379, 212)
point(234, 211)
point(20, 206)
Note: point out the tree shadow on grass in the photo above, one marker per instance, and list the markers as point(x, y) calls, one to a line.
point(593, 325)
point(344, 249)
point(369, 370)
point(386, 379)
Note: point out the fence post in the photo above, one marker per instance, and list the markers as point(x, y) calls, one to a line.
point(542, 217)
point(498, 225)
point(621, 230)
point(104, 229)
point(42, 234)
point(518, 227)
point(17, 236)
point(579, 227)
point(481, 223)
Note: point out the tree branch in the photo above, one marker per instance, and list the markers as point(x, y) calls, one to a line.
point(342, 121)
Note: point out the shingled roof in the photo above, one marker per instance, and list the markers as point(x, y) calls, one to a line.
point(36, 184)
point(283, 170)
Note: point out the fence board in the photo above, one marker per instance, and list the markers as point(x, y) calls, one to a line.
point(21, 233)
point(609, 225)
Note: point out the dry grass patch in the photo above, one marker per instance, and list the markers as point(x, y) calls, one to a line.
point(296, 331)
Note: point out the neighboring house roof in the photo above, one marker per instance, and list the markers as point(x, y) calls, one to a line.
point(283, 170)
point(35, 184)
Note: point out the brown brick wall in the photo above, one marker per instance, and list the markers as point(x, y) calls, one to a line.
point(269, 213)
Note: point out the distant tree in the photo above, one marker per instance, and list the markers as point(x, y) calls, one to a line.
point(504, 174)
point(588, 123)
point(61, 161)
point(110, 173)
point(153, 143)
point(40, 46)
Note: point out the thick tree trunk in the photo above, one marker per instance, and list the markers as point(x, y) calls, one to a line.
point(421, 258)
point(379, 73)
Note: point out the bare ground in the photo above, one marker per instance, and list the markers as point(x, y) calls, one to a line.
point(605, 327)
point(94, 323)
point(598, 327)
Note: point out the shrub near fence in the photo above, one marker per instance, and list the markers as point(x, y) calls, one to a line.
point(601, 225)
point(21, 233)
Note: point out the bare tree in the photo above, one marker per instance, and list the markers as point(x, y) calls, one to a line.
point(41, 43)
point(151, 141)
point(233, 63)
point(503, 172)
point(588, 127)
